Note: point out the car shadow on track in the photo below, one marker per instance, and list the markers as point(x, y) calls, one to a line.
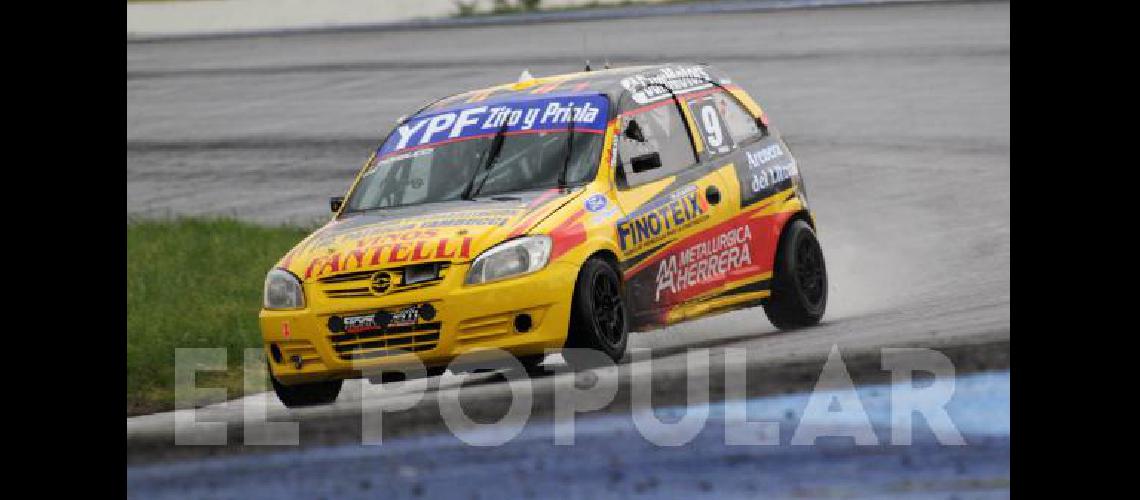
point(550, 368)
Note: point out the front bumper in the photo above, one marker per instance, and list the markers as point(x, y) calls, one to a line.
point(301, 347)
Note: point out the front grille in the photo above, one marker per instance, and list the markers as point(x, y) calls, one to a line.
point(353, 276)
point(485, 327)
point(343, 293)
point(356, 284)
point(390, 341)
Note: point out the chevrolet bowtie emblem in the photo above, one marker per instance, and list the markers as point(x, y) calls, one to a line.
point(380, 282)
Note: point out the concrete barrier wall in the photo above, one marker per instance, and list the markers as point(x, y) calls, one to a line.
point(224, 16)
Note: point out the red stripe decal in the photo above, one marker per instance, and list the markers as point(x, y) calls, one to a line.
point(542, 198)
point(567, 235)
point(537, 214)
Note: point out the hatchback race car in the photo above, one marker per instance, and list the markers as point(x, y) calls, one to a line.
point(549, 213)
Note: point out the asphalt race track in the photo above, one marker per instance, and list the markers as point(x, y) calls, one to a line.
point(899, 118)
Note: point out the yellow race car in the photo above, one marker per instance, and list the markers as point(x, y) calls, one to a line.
point(554, 212)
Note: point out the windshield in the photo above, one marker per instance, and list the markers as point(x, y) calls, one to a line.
point(444, 156)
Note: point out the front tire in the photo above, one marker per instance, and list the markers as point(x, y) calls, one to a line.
point(799, 287)
point(302, 395)
point(598, 317)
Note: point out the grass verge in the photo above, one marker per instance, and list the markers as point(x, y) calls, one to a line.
point(194, 283)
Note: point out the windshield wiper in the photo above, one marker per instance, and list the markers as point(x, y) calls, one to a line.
point(569, 150)
point(492, 154)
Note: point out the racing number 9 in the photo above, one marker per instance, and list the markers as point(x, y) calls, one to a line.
point(713, 131)
point(716, 138)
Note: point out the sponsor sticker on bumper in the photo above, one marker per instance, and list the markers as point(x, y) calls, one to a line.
point(365, 322)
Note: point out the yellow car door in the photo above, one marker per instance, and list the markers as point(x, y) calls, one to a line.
point(669, 199)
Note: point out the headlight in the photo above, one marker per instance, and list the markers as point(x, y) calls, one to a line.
point(283, 291)
point(513, 258)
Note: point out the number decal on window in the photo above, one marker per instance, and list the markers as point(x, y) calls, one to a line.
point(713, 131)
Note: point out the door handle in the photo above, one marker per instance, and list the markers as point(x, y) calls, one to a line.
point(712, 194)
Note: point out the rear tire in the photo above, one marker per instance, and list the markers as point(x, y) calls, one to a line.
point(598, 316)
point(799, 286)
point(311, 394)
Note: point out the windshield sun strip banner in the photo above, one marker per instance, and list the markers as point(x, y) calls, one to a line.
point(586, 113)
point(685, 98)
point(666, 82)
point(400, 154)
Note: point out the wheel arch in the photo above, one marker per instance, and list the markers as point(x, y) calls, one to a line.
point(609, 256)
point(802, 214)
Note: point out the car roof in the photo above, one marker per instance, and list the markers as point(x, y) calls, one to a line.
point(607, 82)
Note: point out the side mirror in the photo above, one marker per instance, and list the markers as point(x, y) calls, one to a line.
point(335, 203)
point(648, 161)
point(633, 132)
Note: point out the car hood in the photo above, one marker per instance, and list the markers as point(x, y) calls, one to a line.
point(455, 231)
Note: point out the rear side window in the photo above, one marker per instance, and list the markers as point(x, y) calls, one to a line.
point(660, 130)
point(724, 123)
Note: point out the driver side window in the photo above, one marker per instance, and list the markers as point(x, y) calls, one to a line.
point(659, 131)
